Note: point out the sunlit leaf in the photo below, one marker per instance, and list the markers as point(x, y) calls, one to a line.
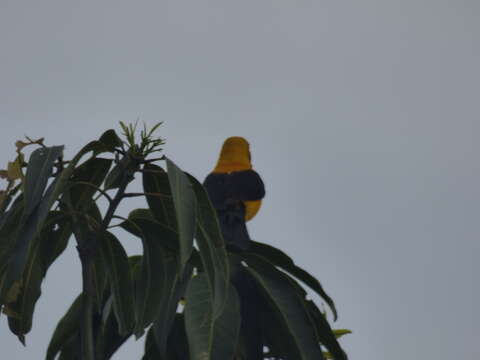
point(14, 170)
point(341, 332)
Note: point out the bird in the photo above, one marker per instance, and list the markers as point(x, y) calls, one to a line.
point(236, 191)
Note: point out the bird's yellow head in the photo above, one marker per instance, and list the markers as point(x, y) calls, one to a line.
point(235, 156)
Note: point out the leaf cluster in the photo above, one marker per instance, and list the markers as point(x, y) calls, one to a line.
point(184, 261)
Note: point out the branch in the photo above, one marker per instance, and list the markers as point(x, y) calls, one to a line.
point(101, 191)
point(126, 195)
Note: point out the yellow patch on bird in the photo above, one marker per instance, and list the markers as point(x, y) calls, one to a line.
point(251, 208)
point(234, 156)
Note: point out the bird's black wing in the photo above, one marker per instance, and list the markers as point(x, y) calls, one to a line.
point(228, 191)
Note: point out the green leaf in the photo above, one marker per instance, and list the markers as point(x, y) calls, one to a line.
point(60, 183)
point(52, 243)
point(156, 280)
point(108, 337)
point(324, 332)
point(111, 140)
point(151, 349)
point(159, 195)
point(276, 336)
point(285, 262)
point(198, 318)
point(278, 288)
point(119, 171)
point(142, 224)
point(69, 349)
point(100, 279)
point(39, 170)
point(148, 288)
point(86, 179)
point(18, 257)
point(8, 230)
point(212, 247)
point(66, 328)
point(185, 209)
point(341, 332)
point(227, 328)
point(173, 289)
point(38, 207)
point(116, 261)
point(207, 338)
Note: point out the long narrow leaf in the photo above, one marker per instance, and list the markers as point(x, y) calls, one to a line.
point(159, 195)
point(285, 262)
point(325, 333)
point(227, 328)
point(53, 241)
point(210, 339)
point(212, 248)
point(116, 262)
point(39, 170)
point(66, 328)
point(173, 289)
point(282, 294)
point(185, 208)
point(199, 319)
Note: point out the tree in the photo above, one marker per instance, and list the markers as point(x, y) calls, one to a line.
point(184, 260)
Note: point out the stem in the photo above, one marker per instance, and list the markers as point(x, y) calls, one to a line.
point(101, 191)
point(86, 325)
point(145, 194)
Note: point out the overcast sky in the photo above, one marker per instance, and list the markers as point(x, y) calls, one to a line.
point(363, 119)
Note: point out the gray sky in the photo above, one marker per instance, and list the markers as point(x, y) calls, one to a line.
point(362, 118)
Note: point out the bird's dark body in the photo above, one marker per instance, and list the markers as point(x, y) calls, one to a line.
point(228, 191)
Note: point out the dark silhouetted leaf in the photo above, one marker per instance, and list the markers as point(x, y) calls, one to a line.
point(118, 173)
point(282, 293)
point(173, 289)
point(8, 231)
point(53, 241)
point(285, 262)
point(142, 224)
point(66, 328)
point(185, 208)
point(159, 195)
point(39, 170)
point(116, 261)
point(227, 328)
point(324, 332)
point(212, 247)
point(93, 172)
point(111, 140)
point(209, 338)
